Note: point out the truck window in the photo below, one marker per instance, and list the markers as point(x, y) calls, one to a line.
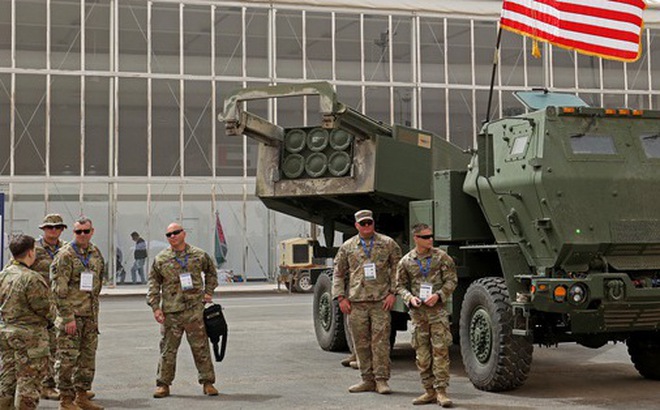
point(651, 144)
point(519, 145)
point(593, 144)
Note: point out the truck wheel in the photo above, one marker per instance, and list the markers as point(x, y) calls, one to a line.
point(328, 319)
point(644, 351)
point(494, 359)
point(304, 283)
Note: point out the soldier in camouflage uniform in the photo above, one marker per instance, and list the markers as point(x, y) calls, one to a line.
point(426, 278)
point(76, 274)
point(47, 247)
point(177, 296)
point(25, 314)
point(365, 284)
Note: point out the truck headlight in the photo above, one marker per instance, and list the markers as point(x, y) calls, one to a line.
point(577, 294)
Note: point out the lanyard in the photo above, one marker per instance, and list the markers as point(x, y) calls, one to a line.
point(364, 246)
point(84, 259)
point(424, 270)
point(17, 263)
point(184, 263)
point(51, 253)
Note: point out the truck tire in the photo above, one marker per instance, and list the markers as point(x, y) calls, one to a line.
point(328, 319)
point(304, 282)
point(494, 359)
point(644, 351)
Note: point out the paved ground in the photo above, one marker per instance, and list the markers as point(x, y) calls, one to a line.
point(273, 362)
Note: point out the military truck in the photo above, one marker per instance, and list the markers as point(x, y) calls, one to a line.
point(299, 268)
point(552, 220)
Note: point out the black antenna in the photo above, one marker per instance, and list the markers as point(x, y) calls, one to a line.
point(492, 75)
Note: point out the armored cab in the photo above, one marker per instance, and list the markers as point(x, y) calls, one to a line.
point(570, 195)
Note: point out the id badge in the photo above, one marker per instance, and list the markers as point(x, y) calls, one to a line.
point(186, 281)
point(86, 281)
point(370, 271)
point(425, 290)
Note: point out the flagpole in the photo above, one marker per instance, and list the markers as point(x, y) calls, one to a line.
point(492, 75)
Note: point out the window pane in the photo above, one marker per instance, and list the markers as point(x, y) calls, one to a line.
point(593, 144)
point(588, 72)
point(165, 38)
point(197, 39)
point(458, 37)
point(376, 48)
point(378, 104)
point(432, 50)
point(5, 90)
point(512, 57)
point(402, 48)
point(132, 114)
point(257, 42)
point(97, 128)
point(347, 38)
point(228, 41)
point(197, 129)
point(65, 126)
point(30, 34)
point(613, 77)
point(319, 46)
point(433, 111)
point(30, 125)
point(5, 35)
point(97, 36)
point(166, 128)
point(65, 35)
point(229, 149)
point(133, 35)
point(485, 35)
point(563, 68)
point(460, 118)
point(651, 144)
point(289, 44)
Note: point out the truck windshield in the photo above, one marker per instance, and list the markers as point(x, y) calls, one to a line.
point(593, 144)
point(651, 144)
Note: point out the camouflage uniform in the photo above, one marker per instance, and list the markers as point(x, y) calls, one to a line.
point(25, 313)
point(431, 335)
point(44, 258)
point(183, 309)
point(370, 324)
point(76, 354)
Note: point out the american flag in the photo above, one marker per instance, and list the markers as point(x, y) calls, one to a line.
point(606, 28)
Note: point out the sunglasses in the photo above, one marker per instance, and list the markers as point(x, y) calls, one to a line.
point(367, 222)
point(82, 231)
point(173, 233)
point(54, 227)
point(424, 236)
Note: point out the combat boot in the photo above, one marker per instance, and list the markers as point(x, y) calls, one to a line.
point(209, 390)
point(83, 402)
point(363, 386)
point(49, 393)
point(354, 365)
point(382, 387)
point(430, 396)
point(346, 362)
point(90, 394)
point(443, 399)
point(66, 403)
point(162, 391)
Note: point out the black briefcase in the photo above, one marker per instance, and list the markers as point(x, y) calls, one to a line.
point(216, 327)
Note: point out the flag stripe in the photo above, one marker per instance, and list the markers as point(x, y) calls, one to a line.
point(608, 28)
point(619, 31)
point(552, 33)
point(605, 19)
point(585, 47)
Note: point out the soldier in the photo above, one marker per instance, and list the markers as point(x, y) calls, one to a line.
point(47, 247)
point(177, 296)
point(25, 314)
point(77, 273)
point(368, 262)
point(426, 278)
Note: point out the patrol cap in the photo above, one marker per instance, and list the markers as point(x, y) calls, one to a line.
point(363, 214)
point(52, 220)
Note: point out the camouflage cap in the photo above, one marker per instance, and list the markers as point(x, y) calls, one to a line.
point(52, 220)
point(363, 214)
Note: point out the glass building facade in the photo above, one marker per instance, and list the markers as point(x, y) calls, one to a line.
point(108, 108)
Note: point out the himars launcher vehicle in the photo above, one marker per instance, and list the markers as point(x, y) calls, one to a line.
point(553, 220)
